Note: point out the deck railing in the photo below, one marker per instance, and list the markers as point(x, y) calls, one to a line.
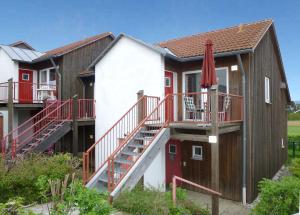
point(86, 108)
point(23, 92)
point(196, 108)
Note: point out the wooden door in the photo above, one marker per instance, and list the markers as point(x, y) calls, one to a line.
point(173, 160)
point(25, 86)
point(169, 89)
point(196, 169)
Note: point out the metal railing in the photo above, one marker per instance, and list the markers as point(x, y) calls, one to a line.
point(23, 92)
point(196, 108)
point(115, 136)
point(86, 108)
point(214, 194)
point(155, 118)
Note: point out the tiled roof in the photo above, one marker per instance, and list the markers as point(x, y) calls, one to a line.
point(244, 36)
point(70, 47)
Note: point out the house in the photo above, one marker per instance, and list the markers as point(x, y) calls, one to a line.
point(34, 77)
point(167, 131)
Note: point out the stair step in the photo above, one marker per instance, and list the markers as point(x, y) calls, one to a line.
point(119, 169)
point(136, 145)
point(150, 132)
point(143, 138)
point(130, 153)
point(104, 178)
point(123, 161)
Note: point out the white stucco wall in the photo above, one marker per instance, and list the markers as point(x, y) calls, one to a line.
point(155, 175)
point(8, 67)
point(127, 68)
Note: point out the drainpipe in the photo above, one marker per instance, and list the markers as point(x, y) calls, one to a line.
point(244, 196)
point(59, 78)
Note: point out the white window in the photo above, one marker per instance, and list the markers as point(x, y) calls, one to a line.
point(197, 153)
point(48, 76)
point(267, 90)
point(172, 149)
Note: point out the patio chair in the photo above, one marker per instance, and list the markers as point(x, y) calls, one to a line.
point(224, 114)
point(191, 109)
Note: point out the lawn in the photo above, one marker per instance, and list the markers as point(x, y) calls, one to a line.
point(293, 130)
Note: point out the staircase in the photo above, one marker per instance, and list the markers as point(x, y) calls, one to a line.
point(39, 132)
point(121, 156)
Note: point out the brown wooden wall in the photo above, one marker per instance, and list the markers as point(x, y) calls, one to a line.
point(75, 62)
point(199, 171)
point(268, 122)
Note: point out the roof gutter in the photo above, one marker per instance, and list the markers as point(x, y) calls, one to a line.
point(222, 54)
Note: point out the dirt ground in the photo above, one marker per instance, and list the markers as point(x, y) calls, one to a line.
point(293, 123)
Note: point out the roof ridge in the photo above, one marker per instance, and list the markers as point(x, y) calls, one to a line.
point(213, 31)
point(104, 34)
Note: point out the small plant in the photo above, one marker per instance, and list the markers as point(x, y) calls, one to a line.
point(27, 175)
point(278, 197)
point(14, 207)
point(150, 201)
point(295, 167)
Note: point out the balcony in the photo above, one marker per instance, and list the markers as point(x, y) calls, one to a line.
point(26, 93)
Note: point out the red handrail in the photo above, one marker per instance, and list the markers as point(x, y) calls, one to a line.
point(37, 124)
point(215, 194)
point(161, 120)
point(110, 140)
point(25, 125)
point(86, 108)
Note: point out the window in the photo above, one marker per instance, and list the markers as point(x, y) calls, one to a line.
point(267, 90)
point(25, 77)
point(48, 76)
point(172, 149)
point(197, 153)
point(167, 82)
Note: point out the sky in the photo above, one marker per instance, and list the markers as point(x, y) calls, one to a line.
point(49, 24)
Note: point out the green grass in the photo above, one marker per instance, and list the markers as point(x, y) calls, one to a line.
point(293, 130)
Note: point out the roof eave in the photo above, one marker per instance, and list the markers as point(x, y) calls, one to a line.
point(216, 55)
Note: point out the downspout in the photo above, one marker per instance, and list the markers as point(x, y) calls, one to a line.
point(59, 78)
point(244, 196)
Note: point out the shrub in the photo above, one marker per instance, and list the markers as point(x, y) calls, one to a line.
point(150, 201)
point(67, 198)
point(14, 206)
point(278, 197)
point(295, 167)
point(21, 179)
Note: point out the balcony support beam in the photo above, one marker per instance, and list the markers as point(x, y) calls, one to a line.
point(75, 126)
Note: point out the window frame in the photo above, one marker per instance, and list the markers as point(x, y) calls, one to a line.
point(196, 156)
point(25, 74)
point(169, 82)
point(47, 82)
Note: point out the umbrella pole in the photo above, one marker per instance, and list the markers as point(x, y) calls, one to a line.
point(214, 141)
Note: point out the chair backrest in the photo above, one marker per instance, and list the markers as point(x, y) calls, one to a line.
point(226, 102)
point(189, 104)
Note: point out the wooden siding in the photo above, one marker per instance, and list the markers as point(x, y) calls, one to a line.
point(268, 122)
point(75, 62)
point(199, 171)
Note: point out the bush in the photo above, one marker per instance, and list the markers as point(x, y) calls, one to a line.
point(295, 167)
point(150, 201)
point(21, 179)
point(14, 206)
point(278, 197)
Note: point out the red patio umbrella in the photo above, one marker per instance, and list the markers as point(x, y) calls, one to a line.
point(208, 75)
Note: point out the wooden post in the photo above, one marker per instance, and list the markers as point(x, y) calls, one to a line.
point(141, 108)
point(10, 107)
point(75, 126)
point(214, 141)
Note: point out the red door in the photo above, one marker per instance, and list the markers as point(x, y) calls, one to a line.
point(173, 160)
point(169, 89)
point(25, 86)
